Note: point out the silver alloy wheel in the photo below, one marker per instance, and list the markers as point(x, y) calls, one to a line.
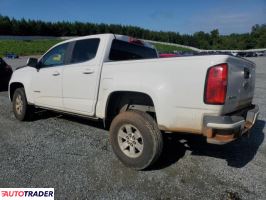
point(19, 104)
point(130, 141)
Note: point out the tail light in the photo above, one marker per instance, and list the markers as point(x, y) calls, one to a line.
point(216, 84)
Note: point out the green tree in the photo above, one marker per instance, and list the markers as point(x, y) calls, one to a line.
point(213, 40)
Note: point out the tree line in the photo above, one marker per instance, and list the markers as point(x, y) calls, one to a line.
point(256, 38)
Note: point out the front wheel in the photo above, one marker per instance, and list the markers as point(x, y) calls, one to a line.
point(136, 139)
point(21, 109)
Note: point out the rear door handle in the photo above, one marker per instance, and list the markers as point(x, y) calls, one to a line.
point(56, 73)
point(88, 71)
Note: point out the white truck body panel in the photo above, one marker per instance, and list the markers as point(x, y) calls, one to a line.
point(176, 86)
point(47, 87)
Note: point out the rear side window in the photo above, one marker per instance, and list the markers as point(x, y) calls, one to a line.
point(121, 50)
point(84, 50)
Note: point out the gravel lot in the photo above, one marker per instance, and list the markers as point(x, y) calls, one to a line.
point(73, 155)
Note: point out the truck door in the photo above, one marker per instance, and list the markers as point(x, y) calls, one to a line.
point(47, 80)
point(81, 76)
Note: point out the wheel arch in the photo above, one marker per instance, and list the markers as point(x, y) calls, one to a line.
point(118, 101)
point(12, 87)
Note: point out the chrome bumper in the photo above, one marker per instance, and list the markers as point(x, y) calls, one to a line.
point(223, 129)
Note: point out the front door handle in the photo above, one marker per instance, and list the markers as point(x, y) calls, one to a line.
point(56, 73)
point(88, 71)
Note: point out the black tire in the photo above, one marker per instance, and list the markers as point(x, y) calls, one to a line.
point(25, 112)
point(151, 140)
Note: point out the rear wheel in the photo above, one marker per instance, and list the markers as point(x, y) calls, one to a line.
point(136, 139)
point(21, 109)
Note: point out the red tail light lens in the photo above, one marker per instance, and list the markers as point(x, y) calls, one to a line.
point(216, 84)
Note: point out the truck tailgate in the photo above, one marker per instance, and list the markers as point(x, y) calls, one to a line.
point(241, 84)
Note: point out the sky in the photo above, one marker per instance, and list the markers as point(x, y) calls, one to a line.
point(183, 16)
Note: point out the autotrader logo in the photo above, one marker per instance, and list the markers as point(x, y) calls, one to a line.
point(27, 193)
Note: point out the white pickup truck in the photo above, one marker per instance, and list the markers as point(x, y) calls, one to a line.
point(121, 81)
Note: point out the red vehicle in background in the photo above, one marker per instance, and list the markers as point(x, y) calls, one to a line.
point(167, 55)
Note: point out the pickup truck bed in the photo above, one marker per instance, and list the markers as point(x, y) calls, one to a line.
point(178, 86)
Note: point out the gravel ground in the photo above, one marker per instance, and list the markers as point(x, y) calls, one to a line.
point(74, 156)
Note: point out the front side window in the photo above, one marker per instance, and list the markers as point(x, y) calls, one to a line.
point(55, 57)
point(85, 50)
point(121, 50)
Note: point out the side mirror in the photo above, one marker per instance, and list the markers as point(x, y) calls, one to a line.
point(32, 62)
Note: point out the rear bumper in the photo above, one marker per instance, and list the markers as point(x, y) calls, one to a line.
point(224, 129)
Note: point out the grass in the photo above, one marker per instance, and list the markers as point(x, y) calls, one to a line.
point(38, 47)
point(26, 47)
point(169, 48)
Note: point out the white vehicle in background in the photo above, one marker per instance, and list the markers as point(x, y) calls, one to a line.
point(260, 53)
point(234, 53)
point(121, 81)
